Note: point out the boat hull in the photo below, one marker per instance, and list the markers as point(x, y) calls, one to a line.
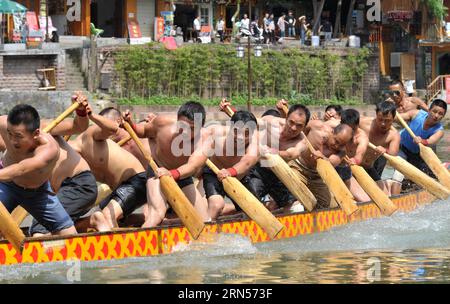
point(131, 243)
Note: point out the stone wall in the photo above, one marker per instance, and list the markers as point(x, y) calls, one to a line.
point(18, 71)
point(371, 80)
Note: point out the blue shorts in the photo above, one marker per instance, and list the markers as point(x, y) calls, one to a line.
point(41, 203)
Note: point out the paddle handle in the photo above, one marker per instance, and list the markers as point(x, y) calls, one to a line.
point(285, 110)
point(147, 156)
point(405, 125)
point(61, 117)
point(124, 141)
point(67, 137)
point(308, 143)
point(10, 229)
point(229, 111)
point(212, 166)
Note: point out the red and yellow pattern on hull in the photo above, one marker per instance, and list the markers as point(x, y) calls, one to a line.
point(163, 240)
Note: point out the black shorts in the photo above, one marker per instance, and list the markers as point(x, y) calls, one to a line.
point(77, 195)
point(181, 183)
point(376, 171)
point(415, 160)
point(130, 195)
point(213, 186)
point(262, 181)
point(344, 172)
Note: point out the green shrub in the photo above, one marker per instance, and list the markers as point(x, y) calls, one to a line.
point(206, 71)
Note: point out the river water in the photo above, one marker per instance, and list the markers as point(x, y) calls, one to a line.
point(406, 247)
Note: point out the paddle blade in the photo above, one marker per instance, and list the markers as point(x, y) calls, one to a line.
point(19, 214)
point(337, 187)
point(182, 206)
point(377, 195)
point(10, 230)
point(292, 181)
point(103, 192)
point(417, 176)
point(252, 206)
point(435, 165)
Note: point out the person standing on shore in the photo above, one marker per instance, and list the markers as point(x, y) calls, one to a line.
point(282, 25)
point(220, 27)
point(303, 29)
point(272, 29)
point(197, 28)
point(291, 24)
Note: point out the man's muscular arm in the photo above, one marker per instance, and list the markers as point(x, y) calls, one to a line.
point(44, 156)
point(394, 144)
point(103, 128)
point(361, 149)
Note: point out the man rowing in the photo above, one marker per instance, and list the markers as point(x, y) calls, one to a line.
point(403, 102)
point(281, 136)
point(113, 114)
point(385, 137)
point(178, 146)
point(330, 144)
point(71, 178)
point(114, 166)
point(428, 130)
point(235, 152)
point(26, 168)
point(355, 149)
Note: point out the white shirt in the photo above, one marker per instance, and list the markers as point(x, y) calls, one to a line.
point(245, 23)
point(197, 25)
point(220, 25)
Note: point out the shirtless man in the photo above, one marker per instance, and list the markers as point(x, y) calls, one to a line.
point(401, 99)
point(281, 136)
point(386, 138)
point(330, 143)
point(71, 178)
point(114, 115)
point(178, 146)
point(27, 165)
point(234, 152)
point(356, 149)
point(429, 131)
point(114, 166)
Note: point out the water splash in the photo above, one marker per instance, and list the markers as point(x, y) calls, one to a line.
point(427, 226)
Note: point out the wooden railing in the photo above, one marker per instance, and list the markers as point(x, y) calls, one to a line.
point(436, 87)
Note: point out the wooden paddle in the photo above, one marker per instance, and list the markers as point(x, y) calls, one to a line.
point(287, 176)
point(249, 203)
point(124, 141)
point(10, 230)
point(19, 214)
point(61, 117)
point(429, 157)
point(292, 182)
point(174, 195)
point(334, 182)
point(415, 175)
point(285, 110)
point(377, 195)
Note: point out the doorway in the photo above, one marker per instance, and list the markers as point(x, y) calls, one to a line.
point(184, 18)
point(443, 67)
point(108, 16)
